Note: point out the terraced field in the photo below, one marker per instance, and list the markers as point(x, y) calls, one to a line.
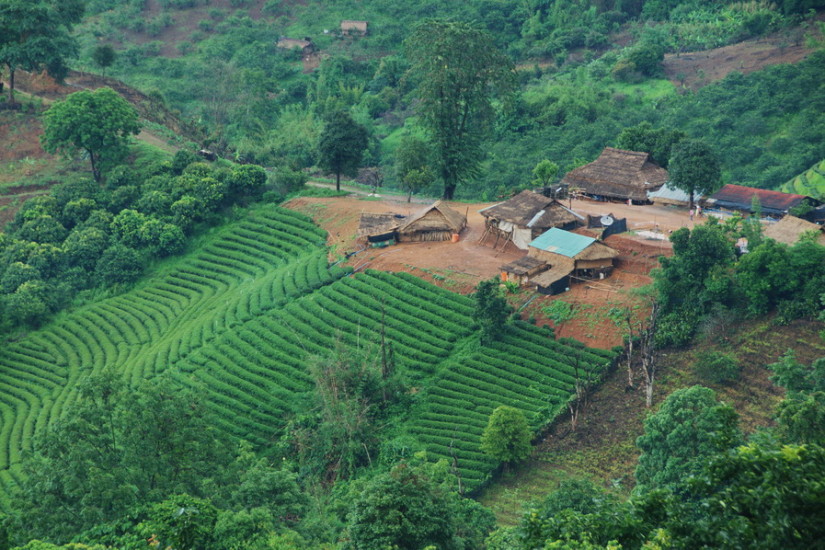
point(238, 320)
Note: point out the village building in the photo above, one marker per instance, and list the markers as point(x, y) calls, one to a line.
point(668, 195)
point(437, 222)
point(524, 217)
point(789, 229)
point(556, 256)
point(304, 44)
point(354, 28)
point(739, 198)
point(617, 175)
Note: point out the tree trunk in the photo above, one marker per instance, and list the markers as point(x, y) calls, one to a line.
point(11, 85)
point(95, 167)
point(630, 362)
point(691, 198)
point(338, 181)
point(449, 191)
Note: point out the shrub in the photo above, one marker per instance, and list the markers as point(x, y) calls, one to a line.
point(716, 366)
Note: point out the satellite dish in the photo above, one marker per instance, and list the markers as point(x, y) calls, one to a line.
point(606, 220)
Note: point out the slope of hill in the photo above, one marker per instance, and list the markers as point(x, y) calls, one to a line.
point(811, 182)
point(239, 319)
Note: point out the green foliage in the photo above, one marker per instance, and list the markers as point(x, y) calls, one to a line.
point(456, 67)
point(341, 145)
point(658, 142)
point(559, 312)
point(412, 165)
point(507, 435)
point(716, 366)
point(103, 55)
point(491, 310)
point(694, 168)
point(690, 427)
point(544, 173)
point(98, 123)
point(411, 507)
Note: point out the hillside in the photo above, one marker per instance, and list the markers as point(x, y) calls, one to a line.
point(240, 318)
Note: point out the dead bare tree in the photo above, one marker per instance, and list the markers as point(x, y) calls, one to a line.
point(647, 343)
point(583, 384)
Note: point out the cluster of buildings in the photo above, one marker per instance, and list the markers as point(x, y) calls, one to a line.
point(546, 229)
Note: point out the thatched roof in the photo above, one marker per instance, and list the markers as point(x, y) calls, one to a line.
point(523, 266)
point(790, 228)
point(378, 224)
point(618, 174)
point(529, 209)
point(558, 270)
point(596, 251)
point(293, 43)
point(354, 26)
point(445, 219)
point(740, 197)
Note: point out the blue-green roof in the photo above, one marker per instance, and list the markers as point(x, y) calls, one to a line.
point(562, 242)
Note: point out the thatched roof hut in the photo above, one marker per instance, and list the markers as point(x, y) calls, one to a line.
point(618, 174)
point(352, 27)
point(305, 45)
point(526, 216)
point(437, 222)
point(378, 227)
point(789, 229)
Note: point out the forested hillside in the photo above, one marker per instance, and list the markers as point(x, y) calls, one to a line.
point(587, 70)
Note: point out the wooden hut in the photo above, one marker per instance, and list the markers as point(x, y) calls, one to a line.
point(523, 270)
point(524, 217)
point(377, 228)
point(789, 229)
point(590, 258)
point(305, 45)
point(354, 28)
point(617, 175)
point(437, 222)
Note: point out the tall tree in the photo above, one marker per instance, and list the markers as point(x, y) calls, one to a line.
point(103, 55)
point(98, 123)
point(689, 428)
point(35, 34)
point(491, 310)
point(694, 168)
point(459, 71)
point(658, 142)
point(341, 145)
point(412, 164)
point(507, 435)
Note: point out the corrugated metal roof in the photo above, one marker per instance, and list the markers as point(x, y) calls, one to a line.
point(739, 197)
point(562, 242)
point(671, 193)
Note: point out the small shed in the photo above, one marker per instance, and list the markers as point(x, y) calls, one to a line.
point(617, 175)
point(789, 229)
point(590, 258)
point(523, 269)
point(739, 198)
point(378, 228)
point(437, 222)
point(668, 195)
point(304, 44)
point(354, 28)
point(554, 280)
point(524, 217)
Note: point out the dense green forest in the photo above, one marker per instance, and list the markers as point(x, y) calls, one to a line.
point(184, 367)
point(221, 67)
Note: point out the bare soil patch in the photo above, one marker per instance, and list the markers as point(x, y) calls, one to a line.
point(696, 69)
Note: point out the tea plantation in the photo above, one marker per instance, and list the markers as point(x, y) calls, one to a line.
point(238, 320)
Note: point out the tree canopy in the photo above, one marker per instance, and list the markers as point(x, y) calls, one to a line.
point(694, 168)
point(342, 145)
point(507, 435)
point(690, 427)
point(34, 34)
point(99, 123)
point(458, 71)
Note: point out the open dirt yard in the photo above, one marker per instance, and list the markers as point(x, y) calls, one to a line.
point(460, 266)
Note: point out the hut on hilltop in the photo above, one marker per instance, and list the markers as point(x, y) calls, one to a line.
point(789, 229)
point(617, 175)
point(524, 217)
point(351, 27)
point(437, 222)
